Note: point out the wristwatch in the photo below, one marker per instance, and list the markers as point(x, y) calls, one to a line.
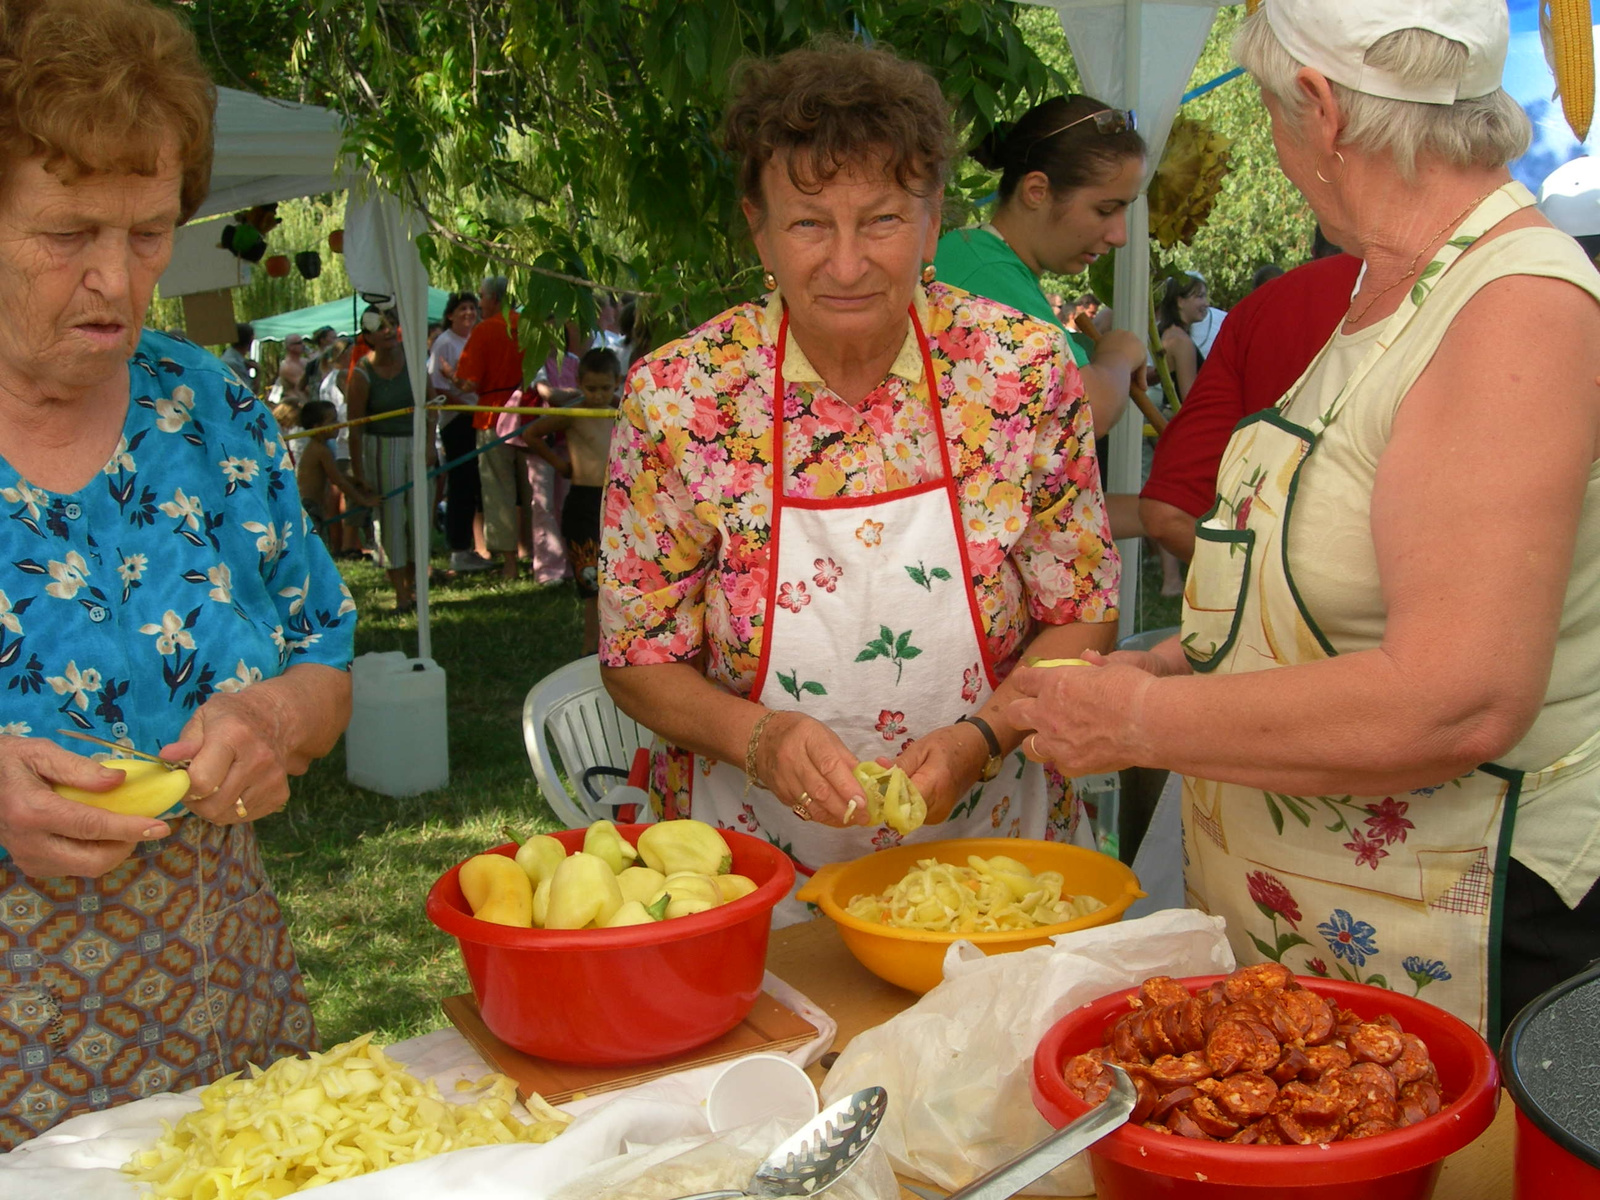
point(991, 768)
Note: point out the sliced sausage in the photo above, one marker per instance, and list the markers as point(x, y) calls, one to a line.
point(1152, 1039)
point(1237, 1045)
point(1261, 975)
point(1124, 1040)
point(1245, 1097)
point(1374, 1043)
point(1311, 1103)
point(1208, 1114)
point(1291, 1066)
point(1371, 1129)
point(1171, 1101)
point(1162, 989)
point(1299, 1132)
point(1312, 1015)
point(1414, 1061)
point(1088, 1078)
point(1182, 1124)
point(1418, 1102)
point(1168, 1072)
point(1145, 1099)
point(1323, 1059)
point(1375, 1083)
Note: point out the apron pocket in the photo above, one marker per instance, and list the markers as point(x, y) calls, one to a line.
point(1213, 595)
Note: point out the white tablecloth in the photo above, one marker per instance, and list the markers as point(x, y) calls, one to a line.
point(80, 1159)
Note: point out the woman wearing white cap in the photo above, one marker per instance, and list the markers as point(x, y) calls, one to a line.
point(1386, 695)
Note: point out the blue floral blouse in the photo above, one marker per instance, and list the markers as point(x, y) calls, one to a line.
point(184, 568)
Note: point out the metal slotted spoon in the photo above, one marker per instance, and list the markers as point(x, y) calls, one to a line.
point(819, 1154)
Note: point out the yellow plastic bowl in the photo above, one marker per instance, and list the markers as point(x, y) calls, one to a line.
point(912, 958)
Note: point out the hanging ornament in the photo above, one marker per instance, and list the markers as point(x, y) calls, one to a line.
point(336, 241)
point(1566, 27)
point(278, 266)
point(1187, 181)
point(308, 263)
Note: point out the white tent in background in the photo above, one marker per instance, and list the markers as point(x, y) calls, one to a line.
point(1136, 54)
point(270, 150)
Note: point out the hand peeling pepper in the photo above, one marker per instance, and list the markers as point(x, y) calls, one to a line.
point(892, 799)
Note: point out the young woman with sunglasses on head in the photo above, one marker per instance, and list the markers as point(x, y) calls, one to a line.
point(1069, 169)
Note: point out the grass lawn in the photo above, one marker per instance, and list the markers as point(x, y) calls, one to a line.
point(352, 867)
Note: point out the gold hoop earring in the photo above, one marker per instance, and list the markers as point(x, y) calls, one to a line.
point(929, 273)
point(771, 281)
point(1340, 157)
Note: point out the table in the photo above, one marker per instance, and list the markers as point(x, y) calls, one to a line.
point(813, 959)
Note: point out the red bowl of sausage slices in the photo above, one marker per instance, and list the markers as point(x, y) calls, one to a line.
point(1261, 1083)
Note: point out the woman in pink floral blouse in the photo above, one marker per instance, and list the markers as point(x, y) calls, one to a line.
point(805, 562)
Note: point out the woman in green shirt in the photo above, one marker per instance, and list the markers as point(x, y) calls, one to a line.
point(1069, 169)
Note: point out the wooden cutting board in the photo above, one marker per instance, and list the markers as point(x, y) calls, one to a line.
point(770, 1027)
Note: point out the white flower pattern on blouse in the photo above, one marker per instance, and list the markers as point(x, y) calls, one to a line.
point(181, 569)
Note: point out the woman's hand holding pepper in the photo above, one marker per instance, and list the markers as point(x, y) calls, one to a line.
point(800, 756)
point(49, 835)
point(1085, 719)
point(944, 764)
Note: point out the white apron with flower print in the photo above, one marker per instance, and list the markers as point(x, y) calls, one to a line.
point(1405, 892)
point(873, 629)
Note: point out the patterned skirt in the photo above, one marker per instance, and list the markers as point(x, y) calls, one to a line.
point(168, 972)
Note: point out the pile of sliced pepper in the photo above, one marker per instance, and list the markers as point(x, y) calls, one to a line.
point(685, 870)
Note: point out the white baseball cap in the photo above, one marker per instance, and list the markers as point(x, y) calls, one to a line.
point(1569, 197)
point(1333, 36)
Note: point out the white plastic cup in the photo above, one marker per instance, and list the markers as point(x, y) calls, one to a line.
point(760, 1088)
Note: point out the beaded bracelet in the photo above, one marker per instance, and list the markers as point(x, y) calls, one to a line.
point(751, 779)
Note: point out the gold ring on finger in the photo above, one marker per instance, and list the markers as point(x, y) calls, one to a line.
point(239, 807)
point(1033, 745)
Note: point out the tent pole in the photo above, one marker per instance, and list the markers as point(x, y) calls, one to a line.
point(1131, 312)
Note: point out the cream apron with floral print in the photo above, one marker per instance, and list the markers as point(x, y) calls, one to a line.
point(1402, 892)
point(872, 628)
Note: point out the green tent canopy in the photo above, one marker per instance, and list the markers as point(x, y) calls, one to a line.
point(343, 315)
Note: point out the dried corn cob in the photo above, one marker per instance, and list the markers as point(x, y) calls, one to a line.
point(1567, 29)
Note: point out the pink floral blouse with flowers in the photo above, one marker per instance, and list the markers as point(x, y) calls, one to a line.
point(688, 506)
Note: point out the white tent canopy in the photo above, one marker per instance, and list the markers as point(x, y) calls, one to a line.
point(271, 150)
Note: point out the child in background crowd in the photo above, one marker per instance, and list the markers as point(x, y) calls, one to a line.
point(316, 469)
point(588, 448)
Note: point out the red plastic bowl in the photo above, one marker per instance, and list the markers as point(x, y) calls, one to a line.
point(640, 993)
point(1134, 1162)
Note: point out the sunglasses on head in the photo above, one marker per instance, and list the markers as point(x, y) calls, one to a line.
point(1106, 121)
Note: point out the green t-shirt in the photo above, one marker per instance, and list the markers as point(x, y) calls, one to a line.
point(979, 262)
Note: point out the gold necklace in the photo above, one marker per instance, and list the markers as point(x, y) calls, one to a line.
point(1426, 246)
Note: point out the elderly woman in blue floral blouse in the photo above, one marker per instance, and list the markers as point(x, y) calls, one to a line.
point(159, 590)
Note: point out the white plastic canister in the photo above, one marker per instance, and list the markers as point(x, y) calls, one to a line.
point(398, 741)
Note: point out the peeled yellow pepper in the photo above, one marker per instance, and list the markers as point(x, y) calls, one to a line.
point(635, 913)
point(148, 789)
point(603, 841)
point(892, 799)
point(540, 856)
point(582, 891)
point(689, 892)
point(672, 847)
point(732, 887)
point(541, 901)
point(640, 883)
point(1056, 662)
point(498, 890)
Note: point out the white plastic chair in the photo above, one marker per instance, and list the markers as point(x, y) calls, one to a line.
point(569, 712)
